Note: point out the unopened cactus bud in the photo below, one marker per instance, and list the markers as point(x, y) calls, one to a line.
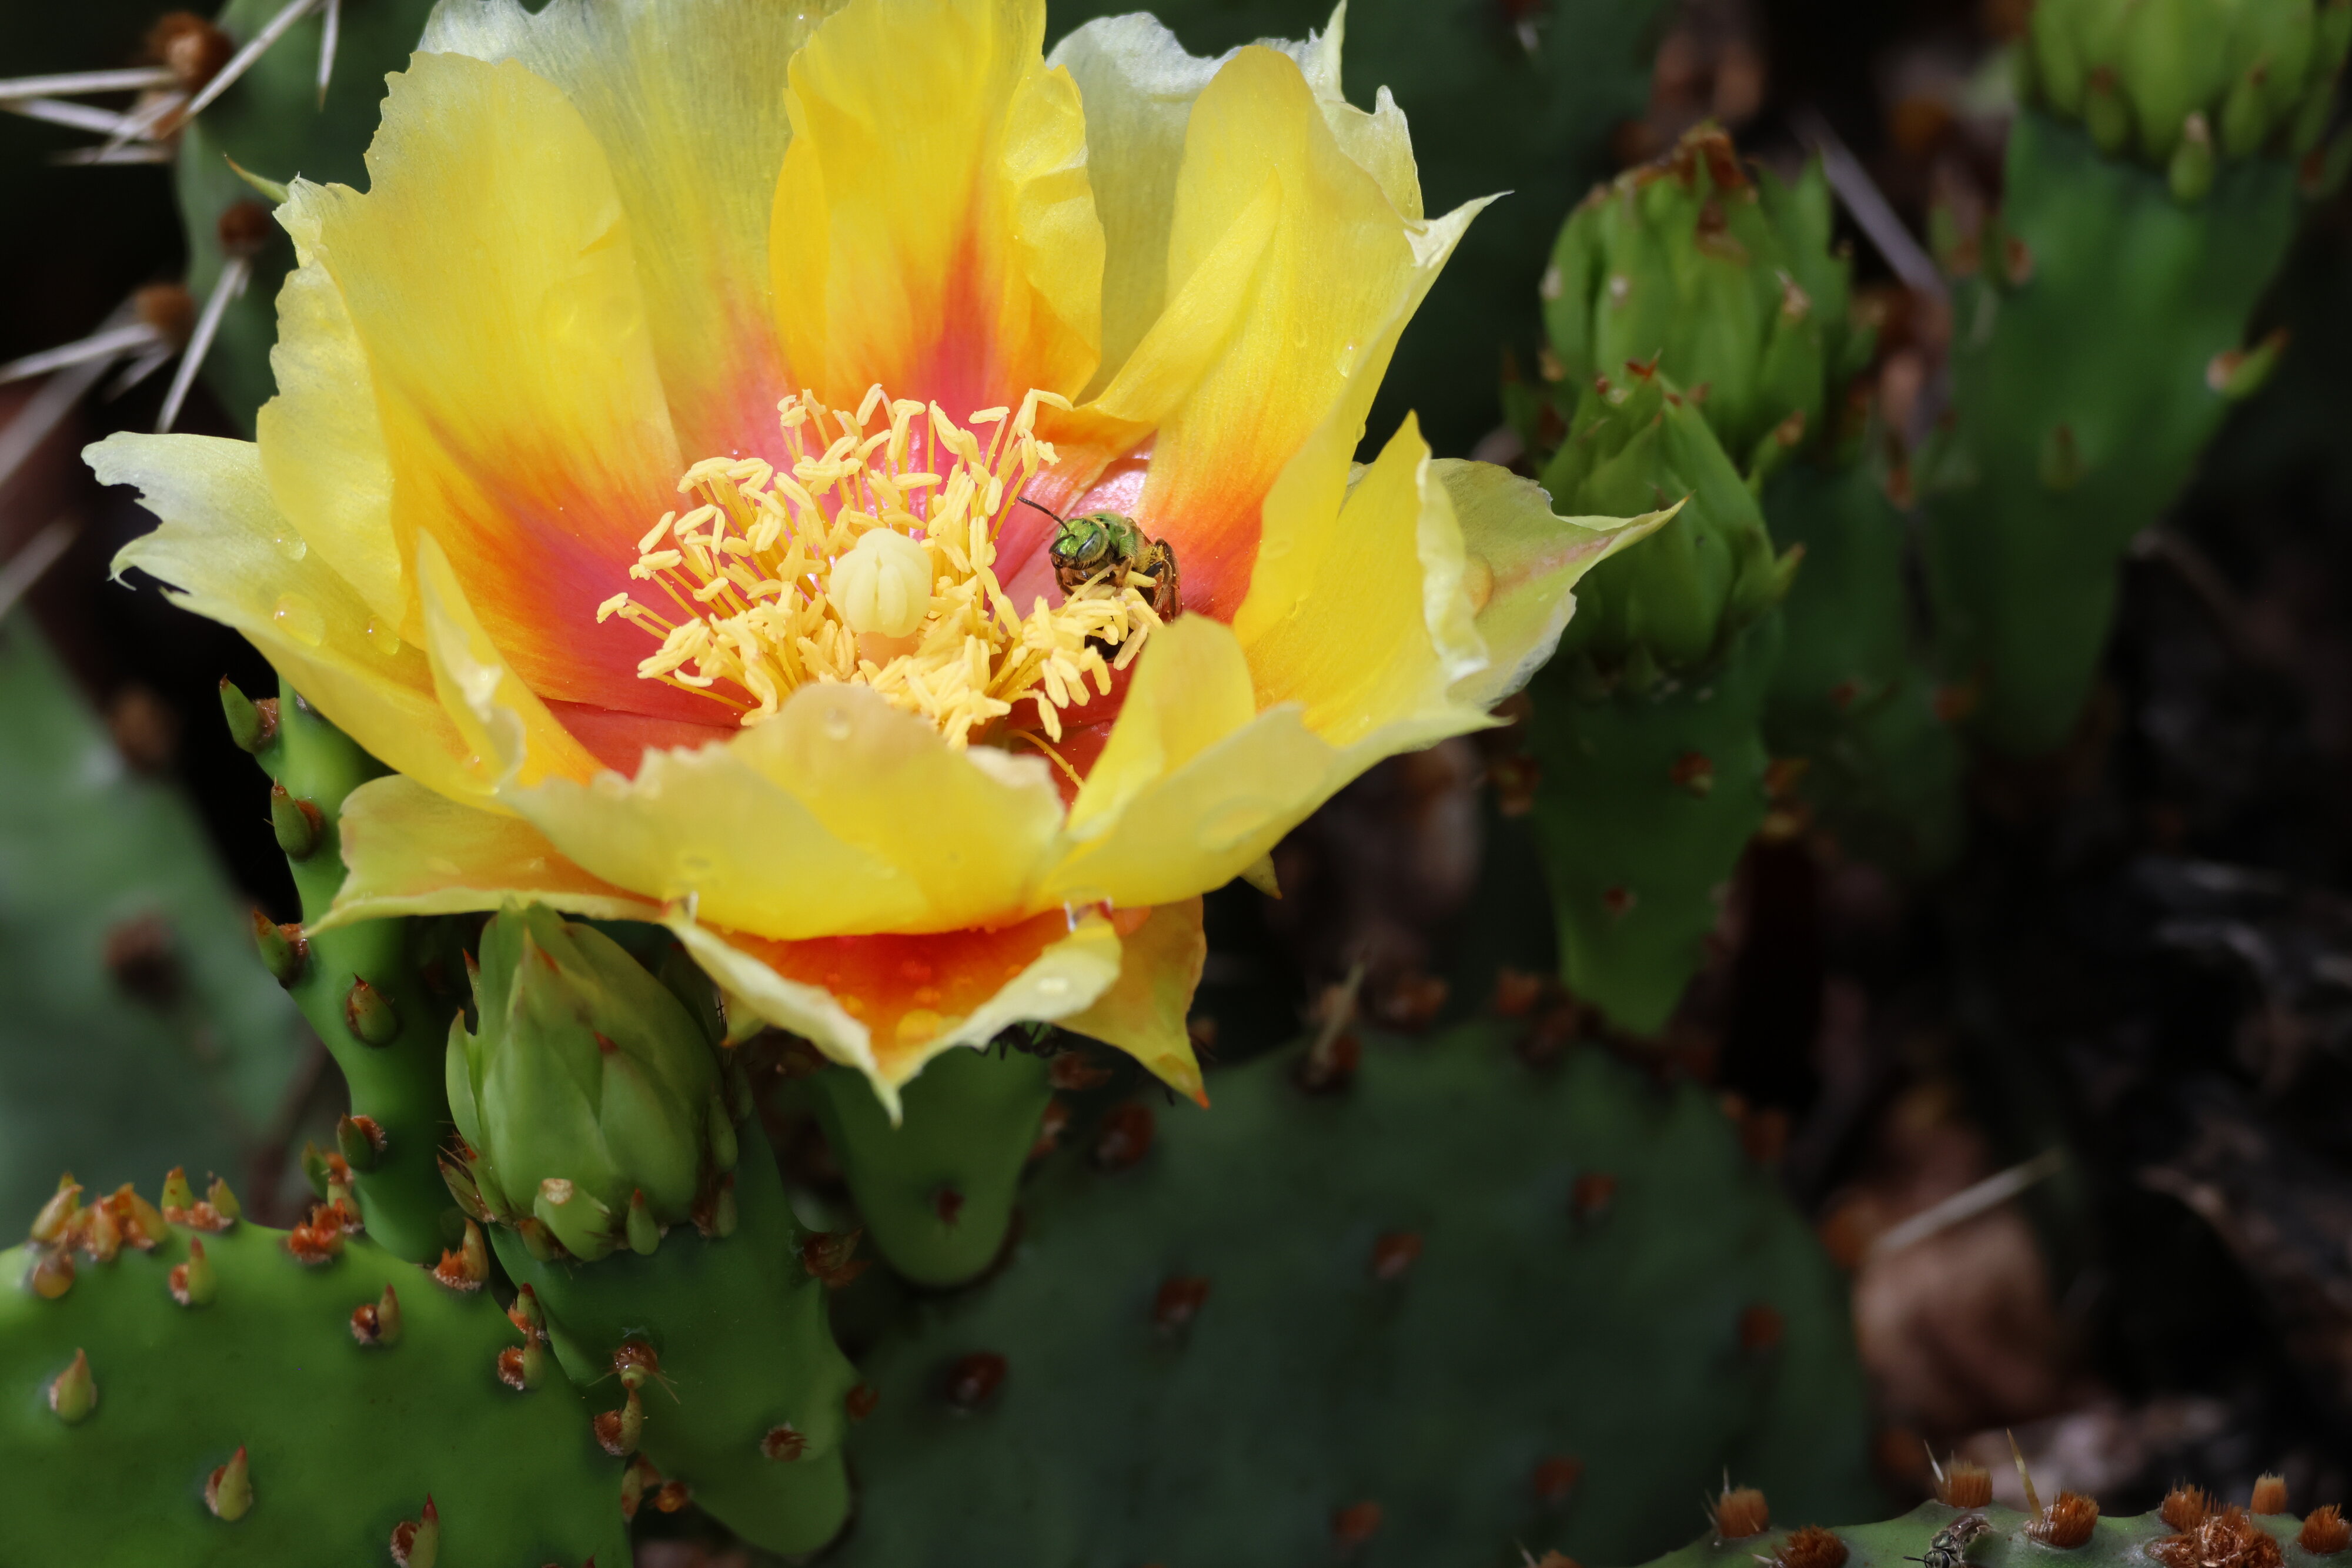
point(2151, 80)
point(1721, 276)
point(588, 1090)
point(1675, 600)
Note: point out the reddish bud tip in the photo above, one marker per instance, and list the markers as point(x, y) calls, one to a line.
point(971, 1380)
point(1394, 1254)
point(1557, 1475)
point(1125, 1138)
point(1180, 1300)
point(1355, 1524)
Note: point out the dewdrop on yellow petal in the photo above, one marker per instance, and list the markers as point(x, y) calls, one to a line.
point(883, 586)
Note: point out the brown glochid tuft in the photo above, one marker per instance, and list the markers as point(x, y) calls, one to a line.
point(2225, 1540)
point(1810, 1546)
point(2270, 1495)
point(1965, 1485)
point(2184, 1507)
point(2067, 1523)
point(1741, 1511)
point(2325, 1531)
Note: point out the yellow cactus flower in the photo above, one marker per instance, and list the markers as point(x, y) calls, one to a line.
point(665, 472)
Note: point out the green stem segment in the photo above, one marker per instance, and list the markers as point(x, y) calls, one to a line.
point(364, 988)
point(747, 1404)
point(936, 1191)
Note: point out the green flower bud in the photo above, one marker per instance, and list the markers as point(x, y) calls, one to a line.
point(1675, 602)
point(2148, 76)
point(589, 1094)
point(1721, 278)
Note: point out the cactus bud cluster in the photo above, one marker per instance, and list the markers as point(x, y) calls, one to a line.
point(2180, 84)
point(589, 1099)
point(1724, 278)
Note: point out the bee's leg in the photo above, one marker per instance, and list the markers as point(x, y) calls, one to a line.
point(1167, 597)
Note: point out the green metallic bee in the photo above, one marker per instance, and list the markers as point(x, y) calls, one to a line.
point(1098, 544)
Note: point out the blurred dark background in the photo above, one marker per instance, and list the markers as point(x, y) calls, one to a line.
point(2143, 964)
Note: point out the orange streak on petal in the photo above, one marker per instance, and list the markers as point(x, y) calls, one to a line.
point(908, 990)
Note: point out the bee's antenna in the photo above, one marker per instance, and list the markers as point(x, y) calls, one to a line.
point(1041, 507)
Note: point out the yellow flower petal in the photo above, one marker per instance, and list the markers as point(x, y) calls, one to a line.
point(412, 852)
point(223, 545)
point(839, 815)
point(1521, 563)
point(490, 274)
point(1180, 813)
point(1189, 692)
point(934, 230)
point(1140, 85)
point(686, 98)
point(887, 1005)
point(1302, 362)
point(501, 718)
point(321, 443)
point(1359, 613)
point(1143, 1013)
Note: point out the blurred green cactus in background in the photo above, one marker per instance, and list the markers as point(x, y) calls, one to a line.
point(2156, 168)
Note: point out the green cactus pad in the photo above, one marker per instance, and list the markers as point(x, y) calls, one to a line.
point(366, 987)
point(1644, 802)
point(1593, 1303)
point(597, 1120)
point(344, 1440)
point(2013, 1539)
point(1723, 277)
point(2094, 350)
point(1850, 694)
point(1646, 728)
point(936, 1192)
point(126, 940)
point(745, 1351)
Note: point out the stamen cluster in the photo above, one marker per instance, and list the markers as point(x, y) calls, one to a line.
point(757, 609)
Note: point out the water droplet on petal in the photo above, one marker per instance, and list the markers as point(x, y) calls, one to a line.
point(836, 725)
point(1348, 359)
point(290, 545)
point(1477, 582)
point(1053, 986)
point(383, 635)
point(299, 618)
